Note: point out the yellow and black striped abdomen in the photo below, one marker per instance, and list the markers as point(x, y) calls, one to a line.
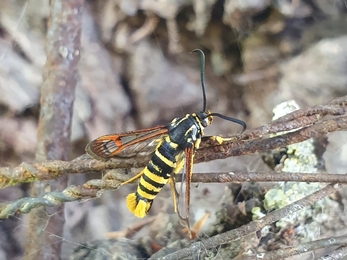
point(154, 176)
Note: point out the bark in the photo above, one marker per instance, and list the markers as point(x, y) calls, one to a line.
point(60, 77)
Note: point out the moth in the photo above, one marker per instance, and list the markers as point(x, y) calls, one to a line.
point(175, 144)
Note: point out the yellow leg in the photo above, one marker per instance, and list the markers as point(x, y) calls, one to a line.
point(173, 192)
point(133, 178)
point(220, 139)
point(179, 166)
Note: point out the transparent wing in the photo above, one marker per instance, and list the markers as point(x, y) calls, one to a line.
point(127, 144)
point(182, 190)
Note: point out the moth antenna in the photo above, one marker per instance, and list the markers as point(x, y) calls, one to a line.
point(202, 76)
point(231, 119)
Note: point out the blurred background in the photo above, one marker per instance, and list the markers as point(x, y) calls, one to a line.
point(136, 71)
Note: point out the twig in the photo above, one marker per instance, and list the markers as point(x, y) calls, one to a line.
point(319, 111)
point(300, 118)
point(232, 235)
point(211, 150)
point(26, 172)
point(276, 127)
point(251, 141)
point(339, 253)
point(300, 249)
point(54, 129)
point(25, 205)
point(340, 101)
point(94, 188)
point(222, 177)
point(90, 189)
point(238, 177)
point(128, 167)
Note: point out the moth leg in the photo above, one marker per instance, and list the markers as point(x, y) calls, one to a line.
point(219, 139)
point(179, 166)
point(133, 178)
point(173, 192)
point(189, 152)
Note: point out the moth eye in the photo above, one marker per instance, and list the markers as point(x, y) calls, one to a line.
point(207, 121)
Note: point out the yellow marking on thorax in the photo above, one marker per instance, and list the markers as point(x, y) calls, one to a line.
point(175, 122)
point(188, 130)
point(172, 144)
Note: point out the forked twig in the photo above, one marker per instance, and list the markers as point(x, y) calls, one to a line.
point(301, 249)
point(254, 140)
point(235, 234)
point(95, 188)
point(210, 150)
point(337, 254)
point(26, 172)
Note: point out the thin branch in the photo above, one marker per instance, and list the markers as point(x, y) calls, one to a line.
point(90, 189)
point(26, 172)
point(223, 177)
point(308, 127)
point(54, 129)
point(340, 101)
point(256, 225)
point(238, 177)
point(251, 141)
point(335, 109)
point(338, 253)
point(113, 179)
point(300, 118)
point(300, 249)
point(276, 127)
point(210, 150)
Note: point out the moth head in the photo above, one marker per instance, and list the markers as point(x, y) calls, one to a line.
point(204, 118)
